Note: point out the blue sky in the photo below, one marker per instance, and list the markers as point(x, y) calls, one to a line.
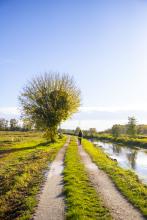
point(102, 43)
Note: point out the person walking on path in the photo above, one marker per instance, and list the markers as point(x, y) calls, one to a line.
point(80, 135)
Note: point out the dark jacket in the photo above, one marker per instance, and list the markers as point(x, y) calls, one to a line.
point(80, 134)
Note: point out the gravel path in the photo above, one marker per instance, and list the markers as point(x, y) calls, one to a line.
point(51, 202)
point(119, 207)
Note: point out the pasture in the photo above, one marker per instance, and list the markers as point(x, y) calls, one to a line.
point(24, 158)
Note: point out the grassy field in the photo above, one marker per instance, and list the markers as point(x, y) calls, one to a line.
point(82, 200)
point(125, 180)
point(137, 142)
point(24, 157)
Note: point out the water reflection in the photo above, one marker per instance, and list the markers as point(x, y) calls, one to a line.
point(129, 158)
point(132, 158)
point(116, 149)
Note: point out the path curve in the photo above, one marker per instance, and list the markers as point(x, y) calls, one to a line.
point(119, 207)
point(51, 202)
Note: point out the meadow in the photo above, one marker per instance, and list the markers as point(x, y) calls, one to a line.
point(24, 159)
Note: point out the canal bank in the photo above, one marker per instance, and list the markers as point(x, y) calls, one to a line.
point(134, 158)
point(125, 140)
point(126, 181)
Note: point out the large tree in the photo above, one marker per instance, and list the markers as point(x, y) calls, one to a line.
point(49, 99)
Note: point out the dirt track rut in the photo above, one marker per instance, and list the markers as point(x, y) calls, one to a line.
point(51, 202)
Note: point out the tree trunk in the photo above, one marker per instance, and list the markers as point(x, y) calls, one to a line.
point(51, 134)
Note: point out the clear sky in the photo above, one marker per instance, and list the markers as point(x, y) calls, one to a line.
point(102, 43)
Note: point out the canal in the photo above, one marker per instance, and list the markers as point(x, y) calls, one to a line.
point(127, 157)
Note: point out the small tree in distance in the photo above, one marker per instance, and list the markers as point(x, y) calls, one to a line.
point(115, 131)
point(92, 132)
point(48, 100)
point(131, 127)
point(77, 130)
point(13, 124)
point(3, 124)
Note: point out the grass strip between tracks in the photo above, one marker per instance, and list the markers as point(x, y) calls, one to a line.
point(82, 201)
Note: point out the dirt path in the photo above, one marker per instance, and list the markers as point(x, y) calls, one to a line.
point(119, 207)
point(51, 202)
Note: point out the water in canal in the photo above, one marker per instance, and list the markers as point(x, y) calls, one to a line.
point(127, 157)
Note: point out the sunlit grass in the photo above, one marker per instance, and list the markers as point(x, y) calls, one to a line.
point(126, 181)
point(10, 140)
point(21, 175)
point(82, 201)
point(126, 140)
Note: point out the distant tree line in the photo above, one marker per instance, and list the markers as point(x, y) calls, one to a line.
point(91, 132)
point(14, 125)
point(130, 129)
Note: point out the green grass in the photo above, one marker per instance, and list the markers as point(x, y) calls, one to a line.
point(82, 200)
point(10, 140)
point(22, 172)
point(126, 140)
point(125, 180)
